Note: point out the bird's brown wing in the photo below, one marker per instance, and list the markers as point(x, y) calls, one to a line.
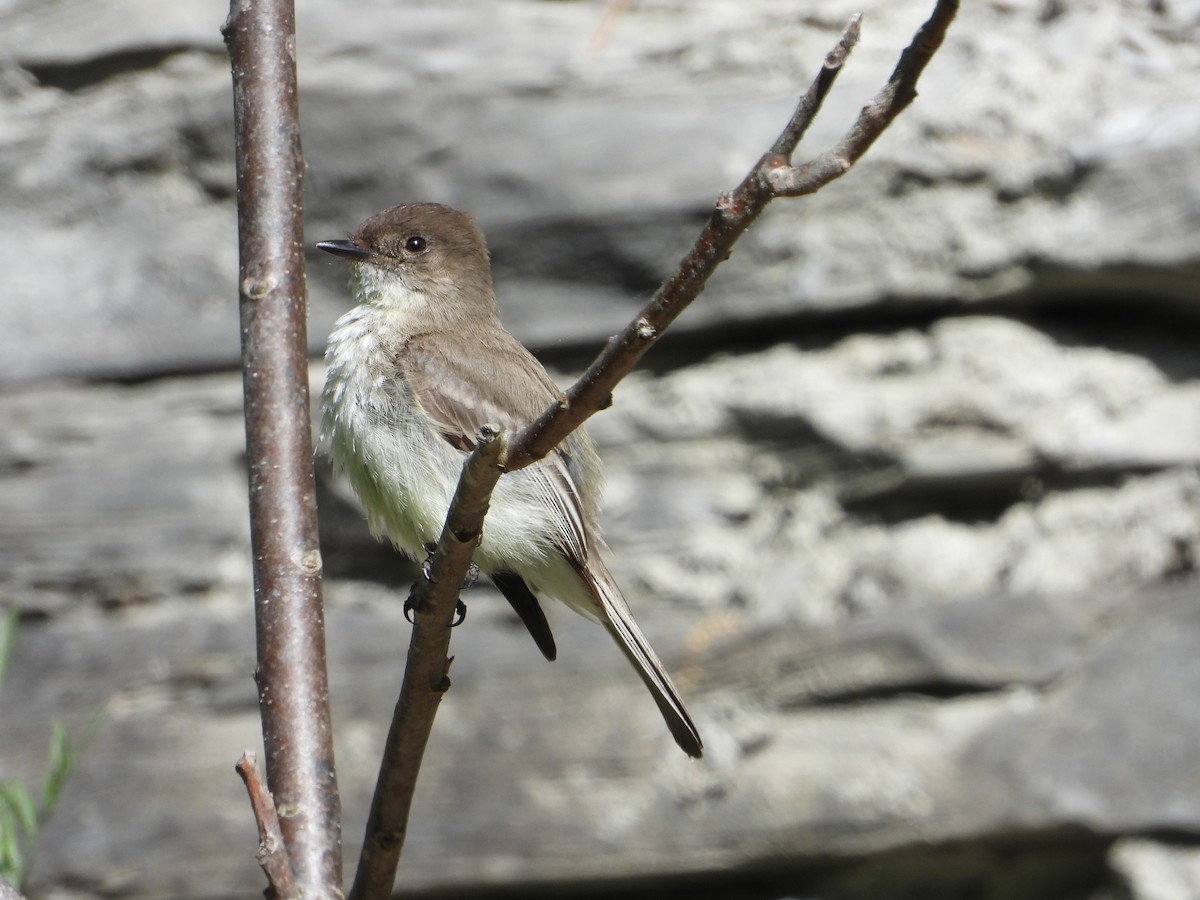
point(464, 384)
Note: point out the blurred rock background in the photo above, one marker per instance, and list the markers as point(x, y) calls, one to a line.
point(909, 502)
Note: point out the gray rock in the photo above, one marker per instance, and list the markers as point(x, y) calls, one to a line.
point(118, 157)
point(122, 494)
point(909, 505)
point(903, 706)
point(930, 728)
point(976, 457)
point(1155, 870)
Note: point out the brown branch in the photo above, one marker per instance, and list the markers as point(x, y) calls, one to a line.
point(614, 10)
point(426, 676)
point(272, 853)
point(734, 213)
point(291, 673)
point(876, 116)
point(810, 104)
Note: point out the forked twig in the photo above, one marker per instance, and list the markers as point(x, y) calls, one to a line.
point(772, 176)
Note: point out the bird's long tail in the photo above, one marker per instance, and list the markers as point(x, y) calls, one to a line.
point(618, 619)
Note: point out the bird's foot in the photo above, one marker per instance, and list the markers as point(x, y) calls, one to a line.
point(427, 567)
point(460, 608)
point(427, 564)
point(411, 606)
point(472, 576)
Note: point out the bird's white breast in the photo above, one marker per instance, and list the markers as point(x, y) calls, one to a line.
point(405, 472)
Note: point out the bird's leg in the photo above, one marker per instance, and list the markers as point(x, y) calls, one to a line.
point(460, 608)
point(427, 565)
point(472, 575)
point(410, 604)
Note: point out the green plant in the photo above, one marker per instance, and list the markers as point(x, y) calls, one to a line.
point(21, 818)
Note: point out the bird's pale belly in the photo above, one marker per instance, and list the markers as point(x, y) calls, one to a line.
point(405, 475)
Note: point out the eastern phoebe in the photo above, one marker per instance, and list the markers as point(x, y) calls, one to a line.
point(414, 371)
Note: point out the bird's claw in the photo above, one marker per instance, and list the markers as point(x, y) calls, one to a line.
point(427, 564)
point(460, 608)
point(472, 576)
point(410, 606)
point(427, 567)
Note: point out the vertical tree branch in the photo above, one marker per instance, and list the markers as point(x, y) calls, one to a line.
point(291, 673)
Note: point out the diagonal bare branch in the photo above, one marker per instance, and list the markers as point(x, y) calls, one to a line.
point(876, 116)
point(734, 213)
point(272, 852)
point(426, 676)
point(810, 104)
point(425, 679)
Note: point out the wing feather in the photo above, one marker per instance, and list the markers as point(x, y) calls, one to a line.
point(463, 385)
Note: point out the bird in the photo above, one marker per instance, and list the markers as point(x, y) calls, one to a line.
point(414, 371)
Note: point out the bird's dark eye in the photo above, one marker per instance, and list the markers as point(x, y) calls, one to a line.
point(414, 243)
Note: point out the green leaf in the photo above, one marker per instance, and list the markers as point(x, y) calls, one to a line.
point(8, 637)
point(12, 852)
point(16, 799)
point(62, 761)
point(20, 818)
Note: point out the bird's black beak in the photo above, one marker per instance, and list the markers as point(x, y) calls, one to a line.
point(348, 249)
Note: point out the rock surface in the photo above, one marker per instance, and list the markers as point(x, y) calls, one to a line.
point(910, 504)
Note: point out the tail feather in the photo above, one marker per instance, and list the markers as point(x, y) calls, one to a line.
point(617, 617)
point(526, 605)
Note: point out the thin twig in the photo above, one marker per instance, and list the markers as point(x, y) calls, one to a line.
point(291, 674)
point(876, 116)
point(614, 10)
point(734, 213)
point(272, 853)
point(773, 176)
point(426, 676)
